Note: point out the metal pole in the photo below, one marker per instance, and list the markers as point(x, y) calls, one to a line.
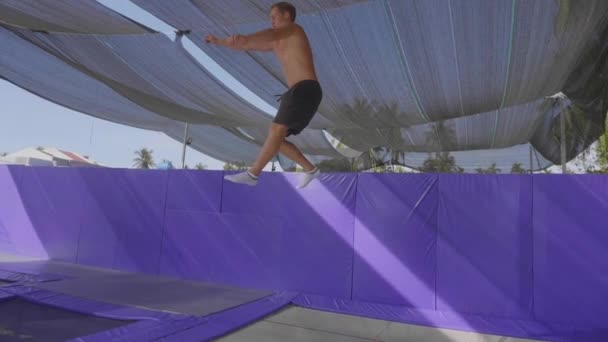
point(562, 124)
point(184, 148)
point(531, 162)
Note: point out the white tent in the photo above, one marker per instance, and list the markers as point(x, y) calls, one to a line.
point(46, 157)
point(29, 156)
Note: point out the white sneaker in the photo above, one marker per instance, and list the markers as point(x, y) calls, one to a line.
point(309, 177)
point(243, 178)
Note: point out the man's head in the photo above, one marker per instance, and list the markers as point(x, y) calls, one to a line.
point(282, 14)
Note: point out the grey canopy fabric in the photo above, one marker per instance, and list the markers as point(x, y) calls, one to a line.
point(73, 89)
point(433, 59)
point(413, 76)
point(75, 16)
point(160, 75)
point(45, 75)
point(429, 60)
point(518, 124)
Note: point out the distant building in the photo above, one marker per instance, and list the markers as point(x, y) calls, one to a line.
point(48, 156)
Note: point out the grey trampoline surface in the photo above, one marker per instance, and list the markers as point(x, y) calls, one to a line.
point(21, 320)
point(299, 325)
point(35, 266)
point(134, 289)
point(155, 293)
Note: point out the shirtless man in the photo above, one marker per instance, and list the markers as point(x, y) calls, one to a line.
point(299, 104)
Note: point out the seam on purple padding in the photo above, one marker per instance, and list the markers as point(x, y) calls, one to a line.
point(20, 277)
point(87, 306)
point(5, 295)
point(449, 320)
point(222, 323)
point(144, 331)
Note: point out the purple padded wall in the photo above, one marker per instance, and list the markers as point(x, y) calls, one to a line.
point(200, 243)
point(571, 249)
point(240, 250)
point(484, 246)
point(317, 227)
point(395, 234)
point(194, 190)
point(123, 218)
point(17, 232)
point(53, 199)
point(10, 201)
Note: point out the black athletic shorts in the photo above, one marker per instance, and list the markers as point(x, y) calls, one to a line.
point(298, 105)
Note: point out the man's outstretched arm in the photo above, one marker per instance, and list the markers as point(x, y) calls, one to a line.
point(260, 41)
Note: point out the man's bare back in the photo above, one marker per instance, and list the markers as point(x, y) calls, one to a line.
point(295, 55)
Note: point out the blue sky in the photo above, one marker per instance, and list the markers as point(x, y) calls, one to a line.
point(29, 120)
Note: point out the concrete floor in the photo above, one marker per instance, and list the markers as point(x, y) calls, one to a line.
point(299, 325)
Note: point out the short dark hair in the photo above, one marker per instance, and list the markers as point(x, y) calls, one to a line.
point(285, 6)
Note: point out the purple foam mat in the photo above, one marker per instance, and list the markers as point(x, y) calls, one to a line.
point(145, 331)
point(20, 277)
point(222, 323)
point(484, 245)
point(5, 294)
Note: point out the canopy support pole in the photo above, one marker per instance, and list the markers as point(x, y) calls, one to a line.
point(186, 142)
point(562, 124)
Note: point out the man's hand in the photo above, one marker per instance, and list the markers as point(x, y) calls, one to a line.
point(211, 39)
point(237, 42)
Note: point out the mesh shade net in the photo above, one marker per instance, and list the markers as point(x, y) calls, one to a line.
point(43, 74)
point(488, 65)
point(410, 76)
point(83, 16)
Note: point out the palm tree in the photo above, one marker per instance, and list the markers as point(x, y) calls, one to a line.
point(442, 163)
point(518, 168)
point(602, 148)
point(491, 170)
point(144, 159)
point(235, 166)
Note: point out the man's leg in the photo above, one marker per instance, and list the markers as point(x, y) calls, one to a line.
point(276, 136)
point(275, 142)
point(292, 152)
